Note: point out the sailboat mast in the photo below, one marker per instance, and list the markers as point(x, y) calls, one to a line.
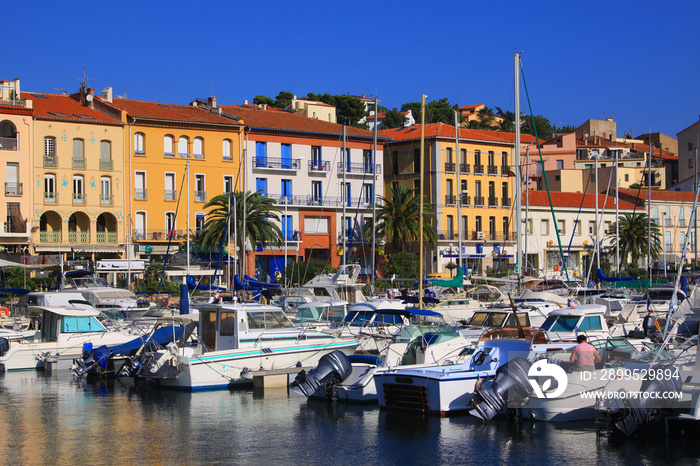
point(228, 247)
point(374, 194)
point(459, 193)
point(344, 189)
point(597, 220)
point(188, 219)
point(527, 207)
point(649, 215)
point(420, 190)
point(617, 215)
point(517, 188)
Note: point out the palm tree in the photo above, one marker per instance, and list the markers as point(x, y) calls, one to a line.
point(398, 217)
point(633, 240)
point(260, 227)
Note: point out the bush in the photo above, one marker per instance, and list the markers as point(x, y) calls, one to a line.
point(403, 265)
point(303, 271)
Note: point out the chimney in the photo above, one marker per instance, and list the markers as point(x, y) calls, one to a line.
point(264, 106)
point(212, 101)
point(17, 94)
point(245, 102)
point(91, 98)
point(4, 91)
point(107, 94)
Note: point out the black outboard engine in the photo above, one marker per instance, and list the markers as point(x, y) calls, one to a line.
point(510, 385)
point(4, 346)
point(332, 369)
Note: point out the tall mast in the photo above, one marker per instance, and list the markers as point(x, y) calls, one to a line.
point(519, 262)
point(420, 190)
point(527, 207)
point(374, 193)
point(617, 215)
point(188, 218)
point(344, 194)
point(597, 220)
point(459, 193)
point(649, 216)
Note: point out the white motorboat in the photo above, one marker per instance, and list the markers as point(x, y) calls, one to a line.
point(64, 331)
point(444, 389)
point(321, 314)
point(235, 340)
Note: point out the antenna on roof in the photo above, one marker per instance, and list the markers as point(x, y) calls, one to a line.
point(211, 92)
point(63, 91)
point(84, 81)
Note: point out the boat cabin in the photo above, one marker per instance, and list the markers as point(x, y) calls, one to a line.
point(62, 323)
point(233, 326)
point(568, 323)
point(377, 313)
point(329, 313)
point(501, 318)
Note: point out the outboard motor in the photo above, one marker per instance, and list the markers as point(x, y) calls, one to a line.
point(510, 385)
point(4, 346)
point(332, 369)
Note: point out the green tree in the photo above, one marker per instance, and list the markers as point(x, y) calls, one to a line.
point(283, 99)
point(393, 119)
point(436, 111)
point(486, 118)
point(260, 229)
point(542, 125)
point(349, 110)
point(566, 129)
point(398, 219)
point(403, 265)
point(508, 123)
point(633, 240)
point(263, 100)
point(303, 271)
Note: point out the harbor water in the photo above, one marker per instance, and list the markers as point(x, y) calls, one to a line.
point(53, 419)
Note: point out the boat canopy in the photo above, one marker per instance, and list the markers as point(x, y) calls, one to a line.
point(64, 311)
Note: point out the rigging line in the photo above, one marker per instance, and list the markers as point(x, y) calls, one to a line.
point(578, 214)
point(549, 194)
point(597, 225)
point(171, 232)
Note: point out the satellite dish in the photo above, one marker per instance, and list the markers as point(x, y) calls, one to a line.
point(89, 97)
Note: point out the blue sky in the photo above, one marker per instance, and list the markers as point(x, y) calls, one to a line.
point(634, 61)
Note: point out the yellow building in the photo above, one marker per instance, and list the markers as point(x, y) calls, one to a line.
point(473, 187)
point(160, 140)
point(78, 178)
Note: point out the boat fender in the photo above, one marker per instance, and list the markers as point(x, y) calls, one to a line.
point(4, 312)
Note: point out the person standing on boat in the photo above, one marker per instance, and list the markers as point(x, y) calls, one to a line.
point(584, 356)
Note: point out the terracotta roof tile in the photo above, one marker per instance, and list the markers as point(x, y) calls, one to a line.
point(66, 108)
point(277, 119)
point(660, 195)
point(169, 112)
point(561, 199)
point(442, 130)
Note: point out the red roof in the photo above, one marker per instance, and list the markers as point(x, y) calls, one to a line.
point(442, 130)
point(470, 107)
point(277, 119)
point(66, 108)
point(660, 195)
point(169, 112)
point(561, 199)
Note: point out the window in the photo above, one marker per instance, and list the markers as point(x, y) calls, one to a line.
point(138, 144)
point(577, 227)
point(199, 223)
point(690, 146)
point(106, 155)
point(286, 156)
point(198, 148)
point(105, 190)
point(416, 161)
point(226, 149)
point(288, 227)
point(78, 190)
point(260, 154)
point(506, 229)
point(529, 226)
point(12, 185)
point(477, 157)
point(367, 193)
point(544, 227)
point(316, 225)
point(492, 189)
point(492, 158)
point(560, 164)
point(668, 247)
point(463, 158)
point(347, 194)
point(504, 159)
point(200, 190)
point(465, 225)
point(316, 156)
point(477, 189)
point(557, 178)
point(168, 145)
point(450, 226)
point(49, 146)
point(492, 228)
point(78, 154)
point(169, 222)
point(228, 184)
point(477, 223)
point(448, 190)
point(170, 192)
point(140, 226)
point(504, 190)
point(395, 162)
point(50, 196)
point(627, 176)
point(261, 186)
point(561, 227)
point(591, 227)
point(286, 186)
point(317, 191)
point(140, 186)
point(183, 146)
point(448, 155)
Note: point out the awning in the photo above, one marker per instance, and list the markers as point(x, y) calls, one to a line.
point(90, 249)
point(670, 258)
point(52, 248)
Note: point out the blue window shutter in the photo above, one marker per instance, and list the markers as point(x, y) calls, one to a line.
point(286, 156)
point(261, 186)
point(260, 153)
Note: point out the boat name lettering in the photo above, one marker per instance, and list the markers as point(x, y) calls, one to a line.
point(407, 380)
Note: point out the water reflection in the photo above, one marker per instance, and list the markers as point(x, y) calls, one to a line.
point(55, 419)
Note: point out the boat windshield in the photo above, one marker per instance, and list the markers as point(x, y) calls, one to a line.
point(560, 323)
point(498, 319)
point(363, 318)
point(310, 313)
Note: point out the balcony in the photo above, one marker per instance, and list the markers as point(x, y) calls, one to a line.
point(8, 143)
point(319, 166)
point(78, 237)
point(450, 199)
point(50, 198)
point(78, 198)
point(200, 196)
point(681, 222)
point(668, 222)
point(141, 194)
point(493, 201)
point(79, 164)
point(106, 165)
point(464, 167)
point(154, 235)
point(325, 201)
point(184, 155)
point(50, 161)
point(505, 169)
point(478, 200)
point(278, 163)
point(50, 237)
point(478, 169)
point(106, 237)
point(505, 201)
point(448, 235)
point(493, 170)
point(170, 195)
point(13, 189)
point(450, 167)
point(199, 156)
point(466, 199)
point(359, 168)
point(106, 199)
